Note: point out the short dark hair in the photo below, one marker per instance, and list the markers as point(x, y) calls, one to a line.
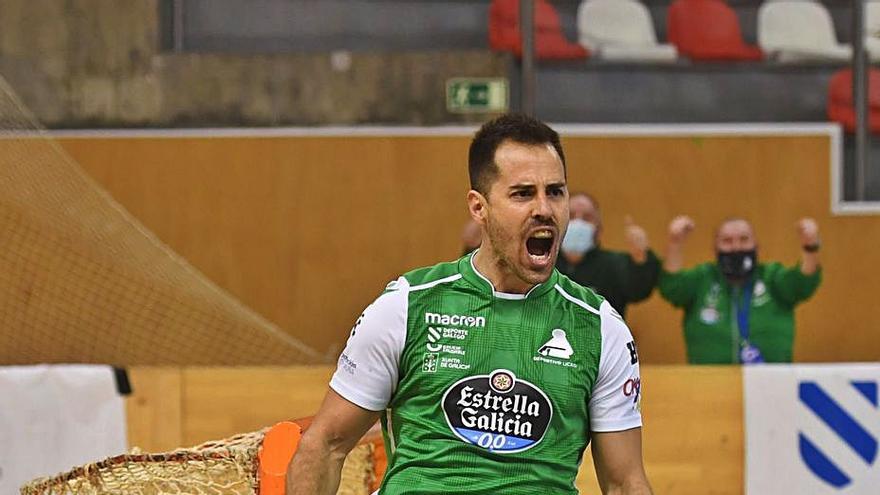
point(515, 127)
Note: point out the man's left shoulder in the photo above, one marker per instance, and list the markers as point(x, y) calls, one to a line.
point(769, 268)
point(576, 293)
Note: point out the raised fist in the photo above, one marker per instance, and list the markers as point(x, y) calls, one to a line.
point(679, 228)
point(808, 230)
point(636, 237)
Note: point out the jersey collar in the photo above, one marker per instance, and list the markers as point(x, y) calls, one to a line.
point(477, 279)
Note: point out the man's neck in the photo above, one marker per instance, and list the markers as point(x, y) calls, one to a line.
point(498, 273)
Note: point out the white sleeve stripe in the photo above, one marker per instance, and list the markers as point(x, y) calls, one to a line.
point(354, 396)
point(603, 346)
point(576, 300)
point(401, 343)
point(451, 278)
point(602, 426)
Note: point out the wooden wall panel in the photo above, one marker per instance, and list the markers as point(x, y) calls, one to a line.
point(220, 402)
point(304, 237)
point(154, 409)
point(307, 231)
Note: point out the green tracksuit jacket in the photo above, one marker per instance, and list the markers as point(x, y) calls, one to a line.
point(711, 330)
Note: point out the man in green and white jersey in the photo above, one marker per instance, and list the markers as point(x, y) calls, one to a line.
point(491, 374)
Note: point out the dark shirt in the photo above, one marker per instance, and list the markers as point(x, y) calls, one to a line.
point(614, 275)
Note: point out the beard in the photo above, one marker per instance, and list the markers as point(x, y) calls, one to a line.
point(507, 250)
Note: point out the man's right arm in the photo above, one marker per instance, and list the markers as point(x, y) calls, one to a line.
point(615, 411)
point(317, 465)
point(675, 284)
point(362, 387)
point(679, 229)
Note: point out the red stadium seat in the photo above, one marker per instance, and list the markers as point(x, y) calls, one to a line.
point(840, 100)
point(550, 42)
point(708, 30)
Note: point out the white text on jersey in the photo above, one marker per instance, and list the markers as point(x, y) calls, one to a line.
point(462, 320)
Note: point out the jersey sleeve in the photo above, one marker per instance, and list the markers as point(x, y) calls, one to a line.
point(790, 285)
point(615, 404)
point(367, 371)
point(680, 288)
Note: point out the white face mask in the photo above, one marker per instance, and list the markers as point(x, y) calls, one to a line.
point(579, 237)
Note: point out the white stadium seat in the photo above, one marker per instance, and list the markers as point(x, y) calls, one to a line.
point(621, 30)
point(799, 31)
point(872, 30)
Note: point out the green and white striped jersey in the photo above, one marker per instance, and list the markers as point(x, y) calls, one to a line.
point(487, 392)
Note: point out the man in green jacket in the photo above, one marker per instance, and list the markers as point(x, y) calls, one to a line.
point(621, 277)
point(737, 310)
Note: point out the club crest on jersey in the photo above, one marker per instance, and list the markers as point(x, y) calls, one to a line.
point(497, 412)
point(557, 346)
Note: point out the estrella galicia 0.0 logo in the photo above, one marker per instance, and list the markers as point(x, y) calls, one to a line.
point(848, 427)
point(497, 412)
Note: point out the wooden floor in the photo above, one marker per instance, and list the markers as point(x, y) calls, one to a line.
point(693, 425)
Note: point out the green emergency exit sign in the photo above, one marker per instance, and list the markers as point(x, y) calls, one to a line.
point(476, 95)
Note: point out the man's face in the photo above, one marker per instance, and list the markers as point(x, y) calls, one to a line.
point(735, 235)
point(527, 210)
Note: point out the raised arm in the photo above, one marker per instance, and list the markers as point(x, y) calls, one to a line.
point(808, 231)
point(636, 240)
point(793, 285)
point(317, 465)
point(643, 267)
point(679, 229)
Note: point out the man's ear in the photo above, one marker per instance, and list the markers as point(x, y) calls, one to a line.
point(477, 206)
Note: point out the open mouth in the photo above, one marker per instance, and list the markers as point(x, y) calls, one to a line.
point(540, 243)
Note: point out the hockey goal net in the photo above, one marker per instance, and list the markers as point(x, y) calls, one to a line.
point(247, 464)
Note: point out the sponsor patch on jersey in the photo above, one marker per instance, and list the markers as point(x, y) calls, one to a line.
point(435, 335)
point(455, 320)
point(497, 412)
point(429, 364)
point(633, 388)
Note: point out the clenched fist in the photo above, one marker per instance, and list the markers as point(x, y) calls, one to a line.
point(679, 228)
point(636, 240)
point(808, 230)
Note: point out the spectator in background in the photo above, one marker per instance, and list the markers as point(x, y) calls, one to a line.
point(620, 277)
point(471, 237)
point(737, 310)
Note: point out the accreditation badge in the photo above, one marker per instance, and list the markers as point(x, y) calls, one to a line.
point(749, 354)
point(710, 316)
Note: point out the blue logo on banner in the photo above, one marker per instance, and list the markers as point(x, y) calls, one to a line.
point(861, 441)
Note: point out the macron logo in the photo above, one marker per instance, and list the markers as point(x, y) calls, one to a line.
point(459, 320)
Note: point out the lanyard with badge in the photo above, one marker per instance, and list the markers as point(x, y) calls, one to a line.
point(748, 353)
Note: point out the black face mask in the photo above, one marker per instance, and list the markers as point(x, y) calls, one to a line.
point(738, 264)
